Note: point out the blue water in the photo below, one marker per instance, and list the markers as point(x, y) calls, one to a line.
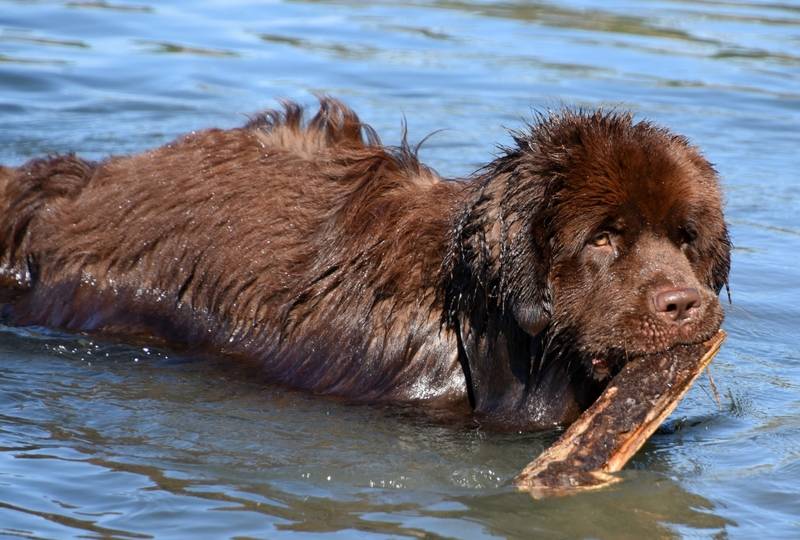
point(106, 440)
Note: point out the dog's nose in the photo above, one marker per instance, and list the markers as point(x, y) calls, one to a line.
point(676, 305)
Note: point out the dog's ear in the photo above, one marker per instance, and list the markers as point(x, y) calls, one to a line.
point(529, 298)
point(530, 316)
point(525, 269)
point(713, 241)
point(720, 257)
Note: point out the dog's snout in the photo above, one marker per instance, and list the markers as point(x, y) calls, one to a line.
point(676, 305)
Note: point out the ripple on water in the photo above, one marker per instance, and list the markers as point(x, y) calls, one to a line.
point(113, 440)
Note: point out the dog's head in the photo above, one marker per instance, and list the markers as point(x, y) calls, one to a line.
point(593, 240)
point(615, 237)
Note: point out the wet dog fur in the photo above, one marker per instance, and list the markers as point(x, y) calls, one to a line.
point(345, 267)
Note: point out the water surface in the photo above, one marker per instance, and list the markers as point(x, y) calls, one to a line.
point(105, 440)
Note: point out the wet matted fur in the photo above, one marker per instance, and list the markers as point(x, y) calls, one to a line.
point(348, 268)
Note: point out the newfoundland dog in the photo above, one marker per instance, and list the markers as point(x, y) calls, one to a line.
point(348, 268)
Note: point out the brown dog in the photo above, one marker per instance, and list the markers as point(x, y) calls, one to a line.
point(347, 268)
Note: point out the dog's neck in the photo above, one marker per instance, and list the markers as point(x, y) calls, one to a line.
point(495, 300)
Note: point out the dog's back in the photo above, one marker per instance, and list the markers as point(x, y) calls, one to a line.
point(303, 246)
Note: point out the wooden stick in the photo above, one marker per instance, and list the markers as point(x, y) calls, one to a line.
point(602, 440)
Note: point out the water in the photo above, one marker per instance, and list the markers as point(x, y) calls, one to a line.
point(104, 440)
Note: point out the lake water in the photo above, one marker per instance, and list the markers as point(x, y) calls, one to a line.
point(104, 440)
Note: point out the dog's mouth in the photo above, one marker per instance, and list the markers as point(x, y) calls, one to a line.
point(602, 367)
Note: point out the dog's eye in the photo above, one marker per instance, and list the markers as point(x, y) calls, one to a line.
point(601, 240)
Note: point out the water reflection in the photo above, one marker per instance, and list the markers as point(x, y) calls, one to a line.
point(178, 432)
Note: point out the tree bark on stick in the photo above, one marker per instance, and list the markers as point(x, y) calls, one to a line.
point(602, 440)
